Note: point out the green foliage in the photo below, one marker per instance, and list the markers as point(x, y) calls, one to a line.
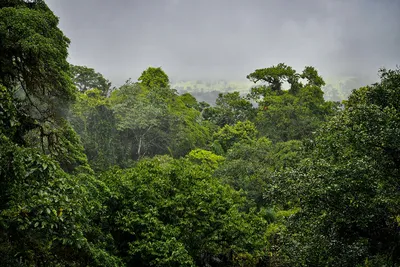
point(205, 158)
point(348, 187)
point(190, 101)
point(311, 74)
point(33, 56)
point(290, 181)
point(35, 85)
point(172, 212)
point(9, 121)
point(86, 78)
point(141, 119)
point(189, 130)
point(154, 78)
point(284, 116)
point(227, 136)
point(274, 76)
point(137, 121)
point(293, 114)
point(230, 108)
point(156, 124)
point(94, 121)
point(246, 169)
point(250, 168)
point(45, 213)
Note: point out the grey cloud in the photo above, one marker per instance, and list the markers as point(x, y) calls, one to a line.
point(227, 39)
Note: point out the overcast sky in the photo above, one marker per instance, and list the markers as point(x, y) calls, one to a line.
point(228, 39)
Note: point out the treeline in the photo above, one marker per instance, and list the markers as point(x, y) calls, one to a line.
point(92, 175)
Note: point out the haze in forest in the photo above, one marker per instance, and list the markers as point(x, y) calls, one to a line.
point(179, 166)
point(228, 39)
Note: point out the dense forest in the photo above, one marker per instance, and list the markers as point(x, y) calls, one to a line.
point(140, 175)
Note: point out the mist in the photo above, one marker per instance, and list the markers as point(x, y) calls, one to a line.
point(228, 39)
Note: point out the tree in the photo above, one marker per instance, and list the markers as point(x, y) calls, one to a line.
point(284, 117)
point(34, 75)
point(230, 108)
point(86, 78)
point(154, 78)
point(190, 101)
point(45, 205)
point(249, 168)
point(156, 120)
point(142, 121)
point(137, 121)
point(228, 135)
point(94, 120)
point(349, 184)
point(190, 130)
point(311, 74)
point(274, 76)
point(48, 217)
point(292, 114)
point(168, 212)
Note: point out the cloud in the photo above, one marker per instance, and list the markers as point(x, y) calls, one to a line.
point(227, 39)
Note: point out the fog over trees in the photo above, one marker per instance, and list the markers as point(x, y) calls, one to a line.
point(199, 133)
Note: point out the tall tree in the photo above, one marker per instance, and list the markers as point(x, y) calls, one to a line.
point(285, 115)
point(142, 120)
point(94, 120)
point(274, 76)
point(86, 78)
point(311, 74)
point(154, 78)
point(35, 74)
point(45, 211)
point(33, 66)
point(349, 186)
